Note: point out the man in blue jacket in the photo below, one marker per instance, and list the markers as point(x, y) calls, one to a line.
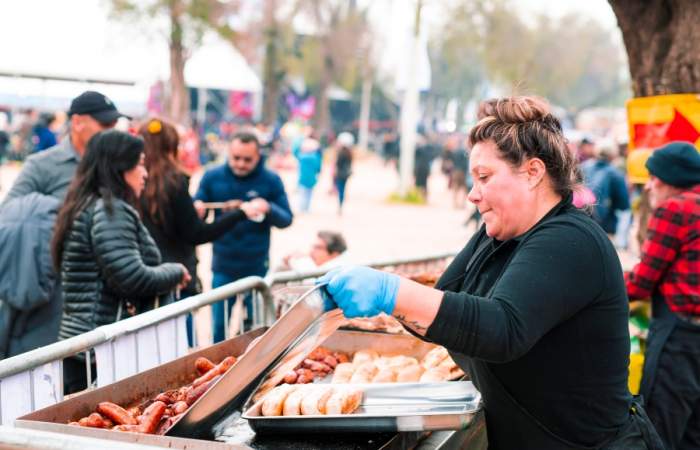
point(243, 251)
point(608, 185)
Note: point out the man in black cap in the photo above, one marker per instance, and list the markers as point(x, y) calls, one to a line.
point(30, 297)
point(669, 273)
point(51, 171)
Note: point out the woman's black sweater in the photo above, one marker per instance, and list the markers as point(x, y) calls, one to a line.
point(182, 230)
point(542, 317)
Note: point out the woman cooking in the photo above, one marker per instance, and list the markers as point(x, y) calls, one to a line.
point(534, 307)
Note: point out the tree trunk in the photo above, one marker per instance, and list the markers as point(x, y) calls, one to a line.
point(663, 44)
point(323, 102)
point(178, 99)
point(270, 70)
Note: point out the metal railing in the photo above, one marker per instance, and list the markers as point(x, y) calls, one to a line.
point(33, 380)
point(277, 278)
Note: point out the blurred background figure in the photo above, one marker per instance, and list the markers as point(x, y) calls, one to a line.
point(307, 152)
point(608, 185)
point(43, 136)
point(342, 168)
point(328, 250)
point(167, 208)
point(244, 250)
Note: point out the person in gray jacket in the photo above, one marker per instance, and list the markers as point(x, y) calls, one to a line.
point(109, 265)
point(51, 171)
point(47, 173)
point(27, 280)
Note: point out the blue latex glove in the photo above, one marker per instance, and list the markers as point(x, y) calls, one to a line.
point(361, 291)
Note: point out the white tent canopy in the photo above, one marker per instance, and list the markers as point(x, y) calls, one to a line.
point(78, 44)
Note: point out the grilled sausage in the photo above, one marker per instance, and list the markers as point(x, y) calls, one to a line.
point(219, 369)
point(151, 417)
point(330, 361)
point(116, 413)
point(291, 377)
point(197, 391)
point(304, 376)
point(341, 357)
point(134, 411)
point(166, 397)
point(203, 365)
point(166, 424)
point(95, 420)
point(319, 353)
point(179, 407)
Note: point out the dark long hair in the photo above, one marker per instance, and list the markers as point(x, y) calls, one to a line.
point(164, 172)
point(100, 174)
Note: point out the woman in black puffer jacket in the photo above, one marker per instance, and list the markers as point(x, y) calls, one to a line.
point(110, 267)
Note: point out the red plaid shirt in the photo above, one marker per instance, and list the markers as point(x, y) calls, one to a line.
point(671, 255)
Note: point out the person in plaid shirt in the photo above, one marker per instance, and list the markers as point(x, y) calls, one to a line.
point(669, 273)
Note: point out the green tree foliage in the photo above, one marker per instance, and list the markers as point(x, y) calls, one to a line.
point(572, 61)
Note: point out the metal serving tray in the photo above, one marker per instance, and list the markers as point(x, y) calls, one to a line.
point(132, 390)
point(301, 329)
point(386, 407)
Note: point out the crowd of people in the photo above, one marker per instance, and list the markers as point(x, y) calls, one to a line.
point(534, 307)
point(99, 243)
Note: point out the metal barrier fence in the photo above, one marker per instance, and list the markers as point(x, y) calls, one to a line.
point(34, 380)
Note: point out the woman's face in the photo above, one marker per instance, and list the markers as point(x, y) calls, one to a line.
point(136, 177)
point(501, 192)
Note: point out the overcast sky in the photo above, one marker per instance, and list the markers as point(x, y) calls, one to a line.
point(52, 35)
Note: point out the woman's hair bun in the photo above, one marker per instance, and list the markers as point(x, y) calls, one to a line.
point(519, 109)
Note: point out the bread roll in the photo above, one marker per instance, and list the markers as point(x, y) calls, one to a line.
point(343, 373)
point(344, 401)
point(409, 374)
point(274, 400)
point(363, 356)
point(434, 357)
point(385, 375)
point(448, 363)
point(314, 402)
point(292, 404)
point(435, 374)
point(364, 373)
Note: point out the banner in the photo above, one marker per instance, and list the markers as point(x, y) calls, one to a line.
point(654, 121)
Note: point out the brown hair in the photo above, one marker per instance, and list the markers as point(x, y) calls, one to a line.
point(523, 128)
point(335, 243)
point(100, 174)
point(161, 142)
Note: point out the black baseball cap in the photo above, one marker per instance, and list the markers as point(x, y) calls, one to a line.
point(96, 105)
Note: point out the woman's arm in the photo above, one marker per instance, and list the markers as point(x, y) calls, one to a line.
point(546, 282)
point(190, 228)
point(417, 305)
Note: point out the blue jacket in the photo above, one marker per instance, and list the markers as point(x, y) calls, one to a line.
point(608, 185)
point(244, 250)
point(309, 166)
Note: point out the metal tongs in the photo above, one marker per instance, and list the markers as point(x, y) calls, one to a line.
point(303, 327)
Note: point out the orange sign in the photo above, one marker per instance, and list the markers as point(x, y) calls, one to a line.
point(654, 121)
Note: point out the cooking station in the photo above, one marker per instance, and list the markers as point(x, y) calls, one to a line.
point(391, 416)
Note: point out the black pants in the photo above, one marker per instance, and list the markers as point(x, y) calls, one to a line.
point(674, 402)
point(75, 375)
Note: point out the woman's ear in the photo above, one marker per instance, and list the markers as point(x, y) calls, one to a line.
point(536, 171)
